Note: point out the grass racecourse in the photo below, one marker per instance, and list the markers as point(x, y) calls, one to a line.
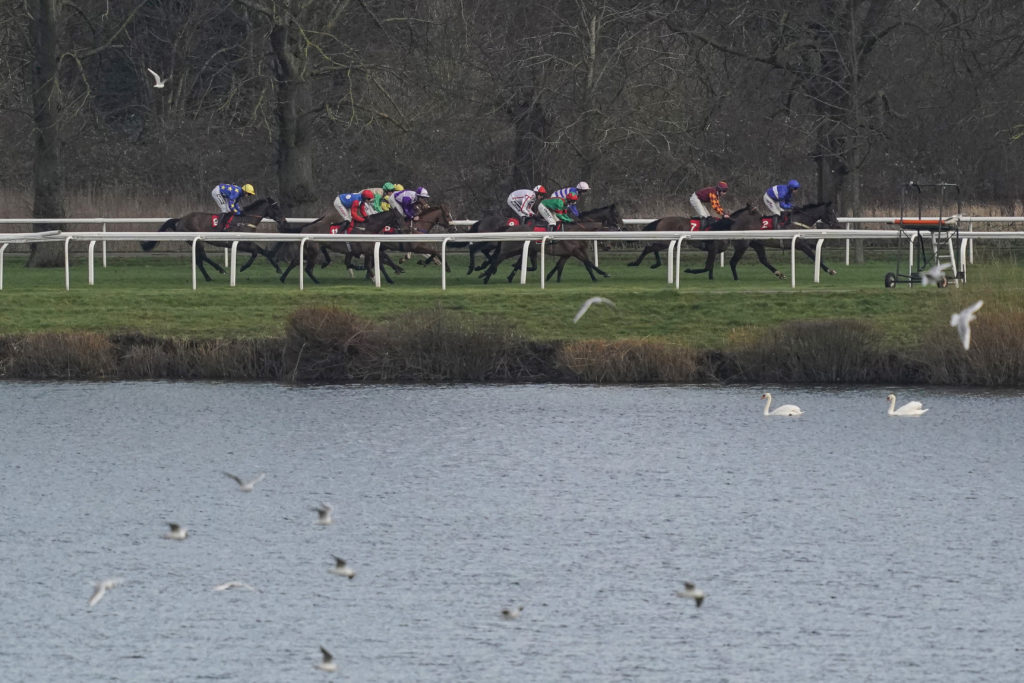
point(151, 295)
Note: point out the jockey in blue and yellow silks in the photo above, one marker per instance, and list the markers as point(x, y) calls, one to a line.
point(227, 195)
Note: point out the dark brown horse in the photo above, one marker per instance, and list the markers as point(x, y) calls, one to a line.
point(806, 216)
point(604, 218)
point(247, 221)
point(331, 224)
point(430, 218)
point(491, 222)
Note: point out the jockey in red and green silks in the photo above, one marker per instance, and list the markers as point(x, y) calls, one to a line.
point(555, 209)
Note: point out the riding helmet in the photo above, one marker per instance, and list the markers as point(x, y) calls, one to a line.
point(367, 194)
point(572, 195)
point(722, 186)
point(794, 184)
point(247, 188)
point(540, 189)
point(422, 192)
point(388, 187)
point(582, 186)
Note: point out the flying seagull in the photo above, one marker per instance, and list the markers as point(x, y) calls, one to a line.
point(341, 568)
point(157, 81)
point(327, 663)
point(590, 302)
point(512, 613)
point(101, 589)
point(934, 275)
point(324, 514)
point(691, 591)
point(246, 485)
point(962, 322)
point(228, 585)
point(177, 532)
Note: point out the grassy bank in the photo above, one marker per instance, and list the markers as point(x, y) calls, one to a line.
point(141, 319)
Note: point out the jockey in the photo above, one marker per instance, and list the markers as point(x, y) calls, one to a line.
point(410, 202)
point(555, 209)
point(580, 188)
point(779, 197)
point(522, 201)
point(227, 195)
point(380, 196)
point(711, 195)
point(352, 206)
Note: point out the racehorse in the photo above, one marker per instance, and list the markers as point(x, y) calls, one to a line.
point(384, 222)
point(247, 221)
point(806, 216)
point(427, 220)
point(602, 218)
point(491, 222)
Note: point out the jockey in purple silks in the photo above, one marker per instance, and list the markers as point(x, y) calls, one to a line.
point(580, 189)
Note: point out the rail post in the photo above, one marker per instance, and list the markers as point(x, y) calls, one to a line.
point(543, 266)
point(670, 261)
point(817, 259)
point(92, 266)
point(233, 261)
point(522, 264)
point(302, 265)
point(679, 258)
point(103, 248)
point(792, 261)
point(194, 243)
point(67, 263)
point(444, 263)
point(376, 265)
point(3, 248)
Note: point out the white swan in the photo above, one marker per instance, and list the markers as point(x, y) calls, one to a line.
point(786, 410)
point(910, 409)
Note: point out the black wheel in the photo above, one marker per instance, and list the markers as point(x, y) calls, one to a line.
point(890, 280)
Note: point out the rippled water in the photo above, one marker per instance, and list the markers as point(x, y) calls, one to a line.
point(841, 545)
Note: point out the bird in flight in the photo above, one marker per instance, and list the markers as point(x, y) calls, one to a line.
point(323, 513)
point(962, 322)
point(934, 275)
point(327, 662)
point(228, 585)
point(157, 81)
point(590, 302)
point(177, 532)
point(101, 589)
point(691, 591)
point(512, 612)
point(246, 485)
point(341, 568)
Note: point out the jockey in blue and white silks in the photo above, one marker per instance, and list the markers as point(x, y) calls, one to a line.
point(580, 188)
point(780, 197)
point(227, 195)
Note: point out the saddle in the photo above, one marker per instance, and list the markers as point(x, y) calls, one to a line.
point(701, 223)
point(221, 221)
point(776, 222)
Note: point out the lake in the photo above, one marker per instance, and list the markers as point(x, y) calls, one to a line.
point(840, 545)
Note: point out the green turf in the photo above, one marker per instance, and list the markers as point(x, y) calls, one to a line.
point(152, 294)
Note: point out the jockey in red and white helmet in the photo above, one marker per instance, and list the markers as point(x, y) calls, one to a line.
point(522, 201)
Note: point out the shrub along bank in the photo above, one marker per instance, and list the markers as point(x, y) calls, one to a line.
point(327, 344)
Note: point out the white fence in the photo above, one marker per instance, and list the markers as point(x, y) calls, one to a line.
point(675, 242)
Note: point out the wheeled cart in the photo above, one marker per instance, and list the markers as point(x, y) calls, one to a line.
point(930, 240)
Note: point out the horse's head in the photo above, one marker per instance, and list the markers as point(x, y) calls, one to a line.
point(616, 217)
point(274, 212)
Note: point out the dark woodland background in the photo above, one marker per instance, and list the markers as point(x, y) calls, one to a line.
point(646, 100)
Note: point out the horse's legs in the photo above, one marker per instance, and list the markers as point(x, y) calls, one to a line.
point(763, 258)
point(252, 257)
point(805, 247)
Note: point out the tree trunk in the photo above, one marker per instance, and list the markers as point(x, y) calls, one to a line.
point(294, 118)
point(531, 129)
point(48, 196)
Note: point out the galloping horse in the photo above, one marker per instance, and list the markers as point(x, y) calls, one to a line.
point(806, 216)
point(384, 222)
point(427, 220)
point(491, 222)
point(602, 218)
point(247, 221)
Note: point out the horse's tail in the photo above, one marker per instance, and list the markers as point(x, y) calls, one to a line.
point(653, 225)
point(169, 224)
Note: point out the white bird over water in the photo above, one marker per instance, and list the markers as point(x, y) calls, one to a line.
point(691, 592)
point(962, 322)
point(101, 589)
point(246, 485)
point(327, 662)
point(177, 532)
point(934, 275)
point(228, 585)
point(512, 612)
point(590, 302)
point(909, 409)
point(787, 410)
point(324, 514)
point(341, 568)
point(157, 81)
